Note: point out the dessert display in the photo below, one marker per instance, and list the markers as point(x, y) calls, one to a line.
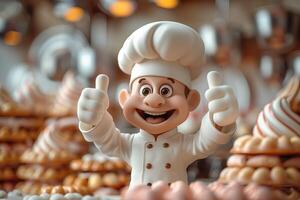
point(47, 162)
point(31, 96)
point(200, 191)
point(8, 107)
point(63, 190)
point(97, 172)
point(65, 102)
point(180, 112)
point(271, 156)
point(18, 130)
point(60, 193)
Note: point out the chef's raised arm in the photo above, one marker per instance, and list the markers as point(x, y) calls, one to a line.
point(219, 124)
point(96, 124)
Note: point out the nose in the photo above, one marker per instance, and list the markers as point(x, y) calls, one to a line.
point(154, 100)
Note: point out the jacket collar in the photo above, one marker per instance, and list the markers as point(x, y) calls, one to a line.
point(149, 137)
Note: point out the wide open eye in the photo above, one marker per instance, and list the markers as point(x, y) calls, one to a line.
point(166, 90)
point(145, 90)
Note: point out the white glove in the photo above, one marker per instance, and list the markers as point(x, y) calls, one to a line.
point(93, 102)
point(222, 103)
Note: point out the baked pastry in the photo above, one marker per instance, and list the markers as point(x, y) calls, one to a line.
point(30, 187)
point(268, 161)
point(276, 176)
point(10, 153)
point(66, 99)
point(52, 158)
point(7, 174)
point(99, 163)
point(59, 189)
point(95, 181)
point(41, 173)
point(282, 145)
point(17, 134)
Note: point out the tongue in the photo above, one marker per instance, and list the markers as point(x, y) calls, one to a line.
point(155, 120)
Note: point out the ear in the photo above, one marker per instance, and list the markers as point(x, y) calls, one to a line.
point(123, 95)
point(193, 99)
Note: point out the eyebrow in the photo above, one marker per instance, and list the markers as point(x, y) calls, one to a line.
point(142, 79)
point(172, 80)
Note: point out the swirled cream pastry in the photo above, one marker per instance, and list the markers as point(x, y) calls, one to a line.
point(292, 93)
point(31, 96)
point(68, 95)
point(54, 138)
point(276, 119)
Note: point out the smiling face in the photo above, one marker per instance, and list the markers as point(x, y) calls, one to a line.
point(157, 104)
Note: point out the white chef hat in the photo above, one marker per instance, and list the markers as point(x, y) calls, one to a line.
point(163, 48)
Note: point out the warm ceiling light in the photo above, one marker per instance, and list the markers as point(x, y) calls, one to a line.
point(119, 8)
point(12, 38)
point(74, 14)
point(167, 4)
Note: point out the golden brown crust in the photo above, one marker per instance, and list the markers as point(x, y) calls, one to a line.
point(276, 176)
point(268, 161)
point(40, 173)
point(251, 145)
point(7, 174)
point(99, 166)
point(94, 181)
point(30, 187)
point(50, 159)
point(60, 189)
point(10, 153)
point(17, 135)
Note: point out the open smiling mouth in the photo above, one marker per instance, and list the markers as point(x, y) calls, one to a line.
point(155, 117)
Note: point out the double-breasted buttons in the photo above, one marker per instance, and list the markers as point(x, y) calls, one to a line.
point(167, 165)
point(149, 146)
point(149, 184)
point(166, 145)
point(148, 165)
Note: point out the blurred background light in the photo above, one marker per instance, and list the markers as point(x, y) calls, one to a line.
point(12, 38)
point(167, 4)
point(119, 8)
point(14, 22)
point(86, 62)
point(69, 10)
point(208, 36)
point(264, 23)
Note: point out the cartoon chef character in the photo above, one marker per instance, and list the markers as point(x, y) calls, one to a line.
point(162, 59)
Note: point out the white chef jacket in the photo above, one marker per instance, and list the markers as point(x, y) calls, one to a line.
point(165, 158)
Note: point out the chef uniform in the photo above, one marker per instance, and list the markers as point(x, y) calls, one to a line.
point(168, 156)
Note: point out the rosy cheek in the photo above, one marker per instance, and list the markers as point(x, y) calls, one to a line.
point(178, 102)
point(132, 103)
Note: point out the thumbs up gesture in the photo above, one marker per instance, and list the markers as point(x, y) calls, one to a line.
point(222, 103)
point(93, 102)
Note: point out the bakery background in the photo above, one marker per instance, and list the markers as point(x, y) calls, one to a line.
point(51, 50)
